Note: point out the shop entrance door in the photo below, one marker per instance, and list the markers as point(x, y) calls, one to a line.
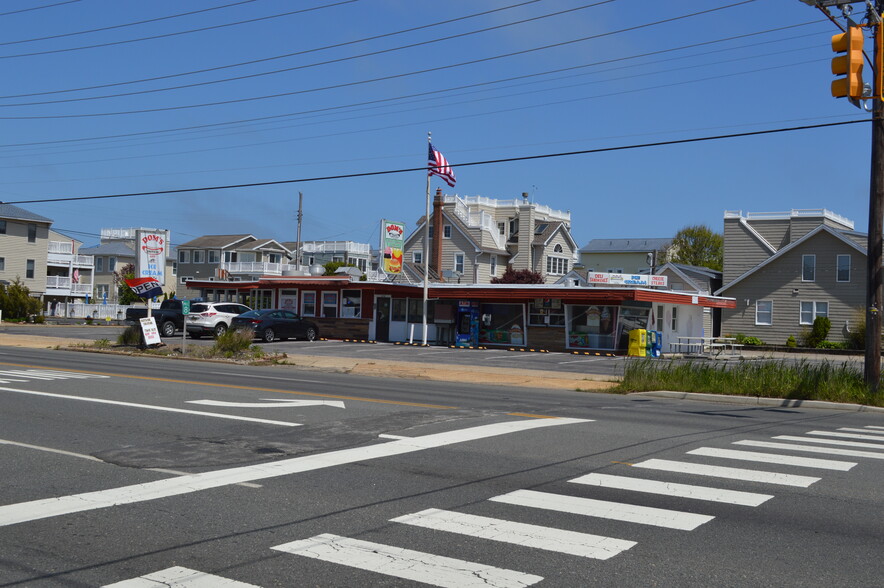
point(382, 319)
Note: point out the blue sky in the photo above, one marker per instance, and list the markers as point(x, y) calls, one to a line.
point(88, 112)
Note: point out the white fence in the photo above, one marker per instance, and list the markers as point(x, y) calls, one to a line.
point(81, 310)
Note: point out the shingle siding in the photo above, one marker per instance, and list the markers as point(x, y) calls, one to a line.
point(742, 250)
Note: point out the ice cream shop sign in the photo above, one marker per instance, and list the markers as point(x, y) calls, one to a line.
point(627, 279)
point(151, 258)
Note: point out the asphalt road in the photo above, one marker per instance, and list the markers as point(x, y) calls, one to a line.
point(119, 468)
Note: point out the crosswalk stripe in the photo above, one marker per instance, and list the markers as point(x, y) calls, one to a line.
point(856, 430)
point(179, 578)
point(644, 515)
point(830, 441)
point(431, 569)
point(807, 462)
point(811, 449)
point(549, 539)
point(873, 427)
point(726, 472)
point(671, 489)
point(846, 435)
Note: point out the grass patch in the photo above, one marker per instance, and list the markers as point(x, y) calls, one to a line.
point(234, 345)
point(833, 382)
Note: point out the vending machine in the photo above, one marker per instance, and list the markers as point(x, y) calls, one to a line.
point(467, 325)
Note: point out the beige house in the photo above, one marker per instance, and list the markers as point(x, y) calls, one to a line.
point(24, 247)
point(785, 269)
point(623, 256)
point(474, 239)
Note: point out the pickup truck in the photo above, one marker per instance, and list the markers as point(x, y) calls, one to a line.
point(168, 316)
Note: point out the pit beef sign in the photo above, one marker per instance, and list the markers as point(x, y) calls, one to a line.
point(627, 279)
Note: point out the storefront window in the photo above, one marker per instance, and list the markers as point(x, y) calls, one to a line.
point(308, 304)
point(545, 312)
point(397, 310)
point(591, 327)
point(502, 324)
point(416, 310)
point(351, 303)
point(634, 315)
point(330, 304)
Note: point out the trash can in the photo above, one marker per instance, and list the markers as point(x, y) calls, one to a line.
point(655, 343)
point(638, 343)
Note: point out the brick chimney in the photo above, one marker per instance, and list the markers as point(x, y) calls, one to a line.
point(436, 243)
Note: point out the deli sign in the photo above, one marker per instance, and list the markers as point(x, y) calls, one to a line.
point(627, 279)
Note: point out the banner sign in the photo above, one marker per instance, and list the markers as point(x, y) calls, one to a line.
point(145, 287)
point(627, 279)
point(152, 248)
point(392, 243)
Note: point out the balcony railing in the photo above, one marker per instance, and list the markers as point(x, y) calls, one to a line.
point(335, 247)
point(62, 285)
point(255, 268)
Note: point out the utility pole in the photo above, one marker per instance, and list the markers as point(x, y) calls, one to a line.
point(298, 244)
point(851, 87)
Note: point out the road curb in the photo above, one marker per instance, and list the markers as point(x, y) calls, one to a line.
point(759, 401)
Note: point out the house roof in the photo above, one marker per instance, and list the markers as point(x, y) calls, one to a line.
point(639, 245)
point(549, 231)
point(9, 211)
point(821, 228)
point(272, 244)
point(117, 248)
point(217, 241)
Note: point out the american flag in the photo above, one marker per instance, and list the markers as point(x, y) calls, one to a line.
point(438, 166)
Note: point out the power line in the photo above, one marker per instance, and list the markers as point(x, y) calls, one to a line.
point(11, 12)
point(304, 66)
point(382, 78)
point(176, 34)
point(458, 165)
point(124, 25)
point(275, 57)
point(449, 89)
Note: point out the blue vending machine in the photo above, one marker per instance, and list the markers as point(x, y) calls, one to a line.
point(655, 343)
point(467, 326)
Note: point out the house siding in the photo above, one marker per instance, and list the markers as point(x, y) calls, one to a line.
point(16, 250)
point(775, 231)
point(742, 250)
point(780, 282)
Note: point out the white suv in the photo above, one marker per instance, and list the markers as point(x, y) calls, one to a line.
point(212, 318)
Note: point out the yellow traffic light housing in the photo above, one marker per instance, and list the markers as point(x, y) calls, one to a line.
point(849, 64)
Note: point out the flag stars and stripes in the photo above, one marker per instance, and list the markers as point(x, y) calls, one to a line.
point(438, 166)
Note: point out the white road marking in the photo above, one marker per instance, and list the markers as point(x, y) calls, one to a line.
point(151, 407)
point(671, 489)
point(47, 375)
point(535, 536)
point(268, 377)
point(830, 441)
point(405, 563)
point(723, 472)
point(270, 403)
point(805, 462)
point(867, 426)
point(50, 450)
point(393, 437)
point(846, 435)
point(644, 515)
point(862, 431)
point(178, 577)
point(811, 449)
point(12, 514)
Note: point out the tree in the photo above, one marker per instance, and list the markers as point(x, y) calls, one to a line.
point(523, 276)
point(16, 301)
point(697, 245)
point(125, 295)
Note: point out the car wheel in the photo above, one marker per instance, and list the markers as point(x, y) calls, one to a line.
point(220, 329)
point(269, 335)
point(310, 335)
point(168, 329)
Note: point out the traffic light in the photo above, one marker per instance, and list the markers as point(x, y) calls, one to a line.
point(849, 64)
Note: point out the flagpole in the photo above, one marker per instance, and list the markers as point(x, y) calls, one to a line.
point(426, 254)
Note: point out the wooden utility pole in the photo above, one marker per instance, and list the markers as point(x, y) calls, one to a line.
point(300, 216)
point(875, 252)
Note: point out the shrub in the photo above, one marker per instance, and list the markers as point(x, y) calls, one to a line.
point(856, 335)
point(232, 342)
point(831, 345)
point(819, 331)
point(747, 340)
point(791, 342)
point(16, 301)
point(130, 337)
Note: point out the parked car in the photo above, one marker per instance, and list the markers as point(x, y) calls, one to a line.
point(212, 318)
point(276, 323)
point(168, 316)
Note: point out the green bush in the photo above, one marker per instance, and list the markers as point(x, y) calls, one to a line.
point(16, 301)
point(856, 337)
point(819, 331)
point(791, 342)
point(747, 340)
point(831, 345)
point(233, 342)
point(130, 337)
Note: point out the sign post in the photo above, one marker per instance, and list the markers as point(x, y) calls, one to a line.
point(185, 310)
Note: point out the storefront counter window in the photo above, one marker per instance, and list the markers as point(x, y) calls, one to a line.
point(591, 327)
point(308, 304)
point(351, 303)
point(502, 324)
point(330, 304)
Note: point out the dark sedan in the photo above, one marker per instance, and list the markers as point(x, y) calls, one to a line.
point(274, 324)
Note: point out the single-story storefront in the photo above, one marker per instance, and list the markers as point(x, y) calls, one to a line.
point(545, 316)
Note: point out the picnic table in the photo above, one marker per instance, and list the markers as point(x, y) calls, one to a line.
point(706, 346)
